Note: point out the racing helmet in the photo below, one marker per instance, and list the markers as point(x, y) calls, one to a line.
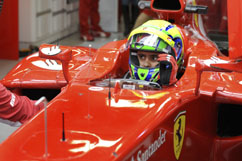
point(163, 39)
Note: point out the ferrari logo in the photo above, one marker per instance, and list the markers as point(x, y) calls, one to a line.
point(178, 133)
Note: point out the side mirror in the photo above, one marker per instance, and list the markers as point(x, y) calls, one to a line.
point(144, 4)
point(169, 6)
point(56, 53)
point(216, 64)
point(196, 9)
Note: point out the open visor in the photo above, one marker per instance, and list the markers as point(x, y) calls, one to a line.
point(144, 59)
point(150, 42)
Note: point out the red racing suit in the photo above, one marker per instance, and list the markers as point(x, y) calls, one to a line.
point(88, 9)
point(16, 108)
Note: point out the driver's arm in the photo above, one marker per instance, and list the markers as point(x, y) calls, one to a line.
point(16, 108)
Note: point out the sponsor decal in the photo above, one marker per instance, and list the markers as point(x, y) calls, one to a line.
point(12, 101)
point(47, 64)
point(144, 155)
point(169, 38)
point(96, 88)
point(152, 96)
point(215, 60)
point(54, 50)
point(178, 133)
point(129, 86)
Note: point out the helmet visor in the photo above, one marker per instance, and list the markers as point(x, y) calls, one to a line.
point(149, 42)
point(144, 59)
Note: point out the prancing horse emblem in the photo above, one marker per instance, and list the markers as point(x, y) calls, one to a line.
point(179, 131)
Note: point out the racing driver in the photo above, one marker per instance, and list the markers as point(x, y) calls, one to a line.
point(156, 52)
point(16, 109)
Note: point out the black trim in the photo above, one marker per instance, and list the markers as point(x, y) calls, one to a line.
point(167, 5)
point(229, 120)
point(165, 73)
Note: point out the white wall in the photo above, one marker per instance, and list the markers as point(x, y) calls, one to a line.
point(45, 21)
point(109, 15)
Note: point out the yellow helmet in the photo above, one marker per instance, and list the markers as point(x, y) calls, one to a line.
point(165, 31)
point(157, 36)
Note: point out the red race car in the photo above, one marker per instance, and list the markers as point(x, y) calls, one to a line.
point(96, 113)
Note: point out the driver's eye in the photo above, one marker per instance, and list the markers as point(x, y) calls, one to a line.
point(141, 56)
point(154, 57)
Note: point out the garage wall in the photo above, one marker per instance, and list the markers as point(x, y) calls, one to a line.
point(45, 21)
point(109, 15)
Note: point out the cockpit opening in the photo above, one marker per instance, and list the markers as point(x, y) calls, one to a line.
point(167, 5)
point(36, 94)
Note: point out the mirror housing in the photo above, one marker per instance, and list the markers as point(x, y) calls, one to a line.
point(171, 6)
point(216, 64)
point(144, 4)
point(196, 9)
point(54, 52)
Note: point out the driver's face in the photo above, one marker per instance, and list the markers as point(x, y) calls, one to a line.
point(147, 59)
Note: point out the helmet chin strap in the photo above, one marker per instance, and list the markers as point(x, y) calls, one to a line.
point(168, 69)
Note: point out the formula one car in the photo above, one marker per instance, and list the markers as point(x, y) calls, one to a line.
point(96, 113)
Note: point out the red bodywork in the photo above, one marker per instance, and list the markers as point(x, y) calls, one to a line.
point(198, 118)
point(9, 30)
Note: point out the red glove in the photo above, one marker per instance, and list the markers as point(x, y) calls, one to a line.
point(168, 69)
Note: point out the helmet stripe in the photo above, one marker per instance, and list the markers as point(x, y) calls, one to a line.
point(169, 27)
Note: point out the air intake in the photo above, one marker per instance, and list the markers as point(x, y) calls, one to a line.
point(173, 5)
